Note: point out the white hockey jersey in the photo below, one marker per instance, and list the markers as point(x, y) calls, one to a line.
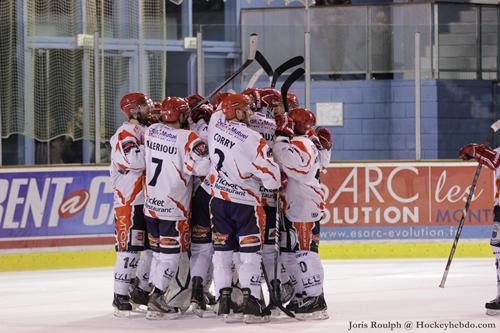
point(200, 128)
point(240, 162)
point(127, 165)
point(266, 126)
point(301, 161)
point(173, 156)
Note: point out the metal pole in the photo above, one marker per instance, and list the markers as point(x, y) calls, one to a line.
point(0, 133)
point(47, 95)
point(200, 68)
point(307, 57)
point(85, 92)
point(97, 97)
point(418, 148)
point(141, 67)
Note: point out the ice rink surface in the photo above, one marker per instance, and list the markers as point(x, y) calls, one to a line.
point(398, 292)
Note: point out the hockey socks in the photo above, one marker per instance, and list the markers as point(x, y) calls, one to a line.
point(143, 270)
point(201, 257)
point(125, 267)
point(165, 268)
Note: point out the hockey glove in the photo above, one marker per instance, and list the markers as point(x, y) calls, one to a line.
point(311, 134)
point(204, 112)
point(481, 153)
point(284, 126)
point(325, 137)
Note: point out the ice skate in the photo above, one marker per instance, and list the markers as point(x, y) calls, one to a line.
point(159, 309)
point(254, 311)
point(227, 310)
point(199, 302)
point(139, 299)
point(121, 305)
point(274, 292)
point(312, 308)
point(294, 302)
point(493, 307)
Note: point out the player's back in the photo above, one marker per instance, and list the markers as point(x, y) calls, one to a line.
point(168, 172)
point(299, 159)
point(240, 160)
point(127, 164)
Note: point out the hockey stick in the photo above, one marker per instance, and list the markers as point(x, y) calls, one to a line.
point(296, 74)
point(493, 129)
point(273, 288)
point(251, 56)
point(265, 67)
point(255, 77)
point(264, 64)
point(295, 61)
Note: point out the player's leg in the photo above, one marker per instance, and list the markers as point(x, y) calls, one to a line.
point(493, 307)
point(288, 248)
point(223, 240)
point(312, 305)
point(140, 289)
point(251, 222)
point(126, 260)
point(168, 235)
point(201, 249)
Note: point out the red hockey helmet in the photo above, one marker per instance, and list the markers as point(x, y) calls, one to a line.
point(130, 103)
point(154, 114)
point(270, 97)
point(219, 97)
point(193, 100)
point(234, 102)
point(303, 119)
point(293, 101)
point(172, 108)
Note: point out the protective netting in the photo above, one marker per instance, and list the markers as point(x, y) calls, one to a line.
point(48, 79)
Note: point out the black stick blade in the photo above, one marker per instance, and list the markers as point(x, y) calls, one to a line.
point(296, 74)
point(264, 63)
point(290, 63)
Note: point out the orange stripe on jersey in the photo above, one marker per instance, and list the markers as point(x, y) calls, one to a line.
point(260, 148)
point(123, 224)
point(180, 175)
point(153, 214)
point(498, 188)
point(296, 170)
point(252, 194)
point(126, 134)
point(180, 206)
point(303, 148)
point(241, 176)
point(260, 214)
point(117, 147)
point(192, 136)
point(225, 195)
point(121, 196)
point(304, 234)
point(264, 170)
point(190, 168)
point(137, 189)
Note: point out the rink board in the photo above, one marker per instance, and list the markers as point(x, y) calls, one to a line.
point(57, 217)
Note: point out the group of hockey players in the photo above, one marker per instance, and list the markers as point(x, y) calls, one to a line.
point(197, 191)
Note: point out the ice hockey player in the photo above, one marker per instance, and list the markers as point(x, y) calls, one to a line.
point(267, 101)
point(240, 162)
point(127, 174)
point(201, 234)
point(297, 150)
point(173, 156)
point(490, 158)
